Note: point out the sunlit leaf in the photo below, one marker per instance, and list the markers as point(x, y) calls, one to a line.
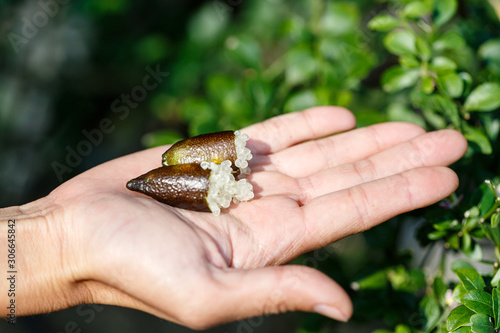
point(416, 9)
point(463, 329)
point(443, 64)
point(339, 18)
point(400, 112)
point(409, 61)
point(377, 280)
point(402, 329)
point(383, 22)
point(448, 108)
point(206, 25)
point(470, 278)
point(490, 50)
point(423, 49)
point(488, 198)
point(245, 49)
point(457, 264)
point(397, 78)
point(451, 84)
point(428, 84)
point(459, 316)
point(300, 101)
point(485, 97)
point(431, 310)
point(458, 292)
point(495, 220)
point(400, 42)
point(476, 136)
point(447, 225)
point(450, 40)
point(481, 324)
point(439, 288)
point(444, 11)
point(478, 301)
point(301, 66)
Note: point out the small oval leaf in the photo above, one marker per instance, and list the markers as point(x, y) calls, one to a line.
point(459, 316)
point(478, 301)
point(470, 278)
point(486, 97)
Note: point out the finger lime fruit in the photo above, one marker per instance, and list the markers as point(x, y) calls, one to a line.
point(201, 187)
point(213, 147)
point(183, 185)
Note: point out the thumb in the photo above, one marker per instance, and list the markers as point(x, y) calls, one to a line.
point(249, 293)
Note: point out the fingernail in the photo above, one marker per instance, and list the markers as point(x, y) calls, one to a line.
point(330, 312)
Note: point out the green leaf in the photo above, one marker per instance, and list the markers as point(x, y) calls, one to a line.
point(400, 42)
point(463, 329)
point(451, 84)
point(478, 301)
point(448, 108)
point(423, 49)
point(488, 198)
point(470, 278)
point(245, 49)
point(400, 112)
point(402, 329)
point(301, 66)
point(486, 97)
point(492, 233)
point(450, 40)
point(458, 292)
point(476, 136)
point(475, 253)
point(444, 11)
point(416, 9)
point(427, 84)
point(377, 280)
point(207, 25)
point(466, 243)
point(439, 288)
point(431, 310)
point(456, 265)
point(437, 234)
point(453, 242)
point(490, 50)
point(300, 101)
point(467, 78)
point(397, 78)
point(409, 61)
point(495, 295)
point(481, 324)
point(447, 225)
point(495, 220)
point(340, 18)
point(383, 22)
point(459, 316)
point(495, 279)
point(443, 64)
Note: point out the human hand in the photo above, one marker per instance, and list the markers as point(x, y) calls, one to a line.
point(312, 186)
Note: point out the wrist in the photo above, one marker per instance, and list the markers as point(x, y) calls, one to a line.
point(37, 264)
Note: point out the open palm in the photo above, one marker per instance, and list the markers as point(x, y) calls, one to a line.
point(312, 187)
